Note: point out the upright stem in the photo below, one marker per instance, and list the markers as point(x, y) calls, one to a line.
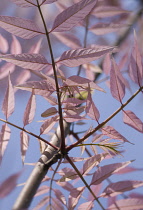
point(56, 82)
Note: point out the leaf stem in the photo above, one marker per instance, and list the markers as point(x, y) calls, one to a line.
point(32, 134)
point(104, 122)
point(88, 187)
point(56, 81)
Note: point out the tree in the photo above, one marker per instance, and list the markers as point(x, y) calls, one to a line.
point(69, 74)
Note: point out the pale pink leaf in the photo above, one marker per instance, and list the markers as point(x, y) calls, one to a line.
point(132, 120)
point(128, 169)
point(31, 3)
point(60, 196)
point(111, 132)
point(71, 16)
point(22, 28)
point(27, 61)
point(117, 188)
point(81, 56)
point(73, 101)
point(42, 190)
point(74, 197)
point(91, 109)
point(9, 101)
point(6, 69)
point(56, 204)
point(73, 118)
point(104, 172)
point(68, 174)
point(135, 66)
point(22, 77)
point(15, 46)
point(91, 162)
point(42, 203)
point(30, 109)
point(66, 185)
point(127, 204)
point(96, 189)
point(48, 125)
point(105, 28)
point(8, 185)
point(72, 110)
point(4, 139)
point(49, 112)
point(36, 47)
point(24, 144)
point(117, 87)
point(68, 39)
point(3, 44)
point(107, 64)
point(108, 11)
point(86, 206)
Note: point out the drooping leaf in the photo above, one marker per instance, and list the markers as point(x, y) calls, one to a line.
point(74, 197)
point(105, 28)
point(91, 109)
point(30, 109)
point(81, 56)
point(114, 189)
point(9, 101)
point(6, 69)
point(132, 120)
point(68, 39)
point(86, 206)
point(108, 11)
point(92, 162)
point(36, 47)
point(135, 66)
point(111, 132)
point(31, 3)
point(15, 46)
point(66, 185)
point(67, 174)
point(42, 203)
point(105, 171)
point(49, 112)
point(3, 44)
point(27, 61)
point(48, 125)
point(22, 28)
point(71, 16)
point(117, 87)
point(8, 185)
point(22, 77)
point(127, 204)
point(42, 190)
point(24, 144)
point(4, 139)
point(59, 195)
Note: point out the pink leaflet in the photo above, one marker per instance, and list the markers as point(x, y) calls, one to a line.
point(15, 46)
point(132, 120)
point(91, 162)
point(128, 169)
point(6, 69)
point(66, 185)
point(81, 56)
point(91, 109)
point(42, 190)
point(3, 44)
point(117, 188)
point(9, 100)
point(71, 16)
point(60, 196)
point(30, 109)
point(105, 28)
point(22, 77)
point(108, 11)
point(4, 139)
point(117, 87)
point(68, 174)
point(23, 28)
point(135, 66)
point(36, 47)
point(24, 144)
point(27, 61)
point(73, 118)
point(73, 101)
point(31, 3)
point(48, 125)
point(8, 185)
point(74, 197)
point(127, 204)
point(42, 203)
point(105, 171)
point(86, 206)
point(111, 132)
point(68, 39)
point(49, 112)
